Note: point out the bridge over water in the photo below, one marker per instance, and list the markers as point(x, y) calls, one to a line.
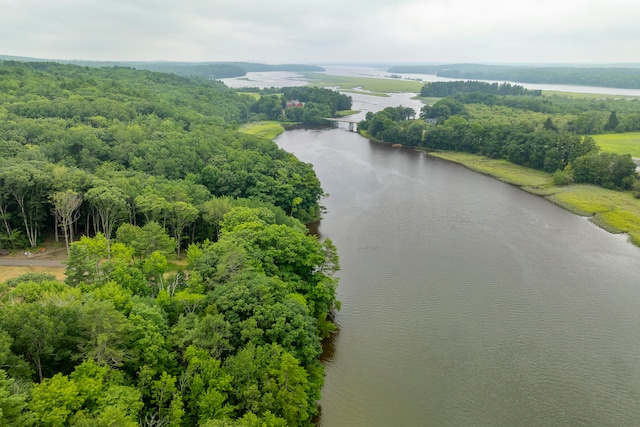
point(352, 122)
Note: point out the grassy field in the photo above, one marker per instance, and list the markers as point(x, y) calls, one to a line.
point(585, 95)
point(254, 95)
point(615, 211)
point(265, 129)
point(620, 143)
point(503, 170)
point(344, 113)
point(7, 273)
point(363, 84)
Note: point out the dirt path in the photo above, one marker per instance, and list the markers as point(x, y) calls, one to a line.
point(30, 262)
point(50, 258)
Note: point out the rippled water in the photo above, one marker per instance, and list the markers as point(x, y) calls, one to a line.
point(467, 301)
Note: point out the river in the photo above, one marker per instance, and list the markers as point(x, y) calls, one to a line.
point(466, 301)
point(281, 79)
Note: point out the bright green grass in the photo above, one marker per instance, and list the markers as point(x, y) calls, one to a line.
point(255, 95)
point(265, 129)
point(501, 169)
point(615, 211)
point(620, 143)
point(585, 95)
point(344, 113)
point(363, 84)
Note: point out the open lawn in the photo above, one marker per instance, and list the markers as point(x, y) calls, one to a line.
point(363, 84)
point(254, 95)
point(9, 272)
point(265, 129)
point(615, 211)
point(620, 143)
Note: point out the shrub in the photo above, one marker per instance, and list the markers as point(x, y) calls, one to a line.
point(562, 178)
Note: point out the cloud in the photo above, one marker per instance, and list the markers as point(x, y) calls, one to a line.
point(323, 31)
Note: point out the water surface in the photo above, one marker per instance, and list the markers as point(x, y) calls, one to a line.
point(467, 302)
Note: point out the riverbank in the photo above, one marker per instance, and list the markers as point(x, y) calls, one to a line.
point(265, 129)
point(615, 211)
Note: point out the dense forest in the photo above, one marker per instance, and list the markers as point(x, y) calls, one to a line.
point(444, 89)
point(311, 105)
point(208, 70)
point(547, 133)
point(619, 76)
point(131, 169)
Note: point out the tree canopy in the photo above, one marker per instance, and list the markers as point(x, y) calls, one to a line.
point(134, 167)
point(550, 133)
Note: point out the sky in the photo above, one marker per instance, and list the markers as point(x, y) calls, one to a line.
point(325, 31)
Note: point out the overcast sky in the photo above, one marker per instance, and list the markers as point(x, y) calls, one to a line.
point(324, 31)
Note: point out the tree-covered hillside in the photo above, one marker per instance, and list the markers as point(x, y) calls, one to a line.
point(129, 169)
point(547, 133)
point(618, 76)
point(208, 70)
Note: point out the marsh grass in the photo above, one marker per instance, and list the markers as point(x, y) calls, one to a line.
point(364, 84)
point(501, 169)
point(614, 211)
point(583, 95)
point(265, 129)
point(619, 143)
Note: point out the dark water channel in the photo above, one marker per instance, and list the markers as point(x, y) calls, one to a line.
point(467, 302)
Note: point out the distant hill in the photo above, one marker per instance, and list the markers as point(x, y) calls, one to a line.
point(619, 76)
point(211, 70)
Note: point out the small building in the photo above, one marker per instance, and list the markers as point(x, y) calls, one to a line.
point(294, 103)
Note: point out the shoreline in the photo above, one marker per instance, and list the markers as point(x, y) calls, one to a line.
point(616, 212)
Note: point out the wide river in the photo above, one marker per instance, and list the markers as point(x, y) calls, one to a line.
point(466, 301)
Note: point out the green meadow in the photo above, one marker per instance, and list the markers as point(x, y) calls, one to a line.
point(375, 85)
point(344, 113)
point(265, 129)
point(620, 143)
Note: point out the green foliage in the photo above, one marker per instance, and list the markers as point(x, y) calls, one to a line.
point(562, 178)
point(13, 404)
point(598, 76)
point(121, 341)
point(54, 400)
point(454, 124)
point(607, 170)
point(145, 240)
point(268, 379)
point(612, 123)
point(636, 189)
point(114, 136)
point(444, 89)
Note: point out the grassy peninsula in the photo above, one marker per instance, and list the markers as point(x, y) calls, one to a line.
point(369, 85)
point(268, 129)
